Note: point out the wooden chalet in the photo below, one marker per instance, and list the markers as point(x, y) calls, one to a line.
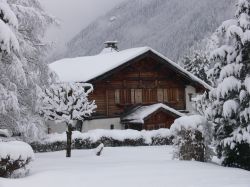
point(136, 88)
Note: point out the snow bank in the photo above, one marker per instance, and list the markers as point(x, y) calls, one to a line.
point(16, 150)
point(127, 167)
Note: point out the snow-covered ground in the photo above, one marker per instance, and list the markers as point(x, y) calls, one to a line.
point(126, 167)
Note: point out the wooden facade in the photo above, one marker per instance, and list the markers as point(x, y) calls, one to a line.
point(160, 119)
point(157, 120)
point(144, 80)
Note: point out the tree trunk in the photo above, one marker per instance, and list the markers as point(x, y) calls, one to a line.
point(69, 140)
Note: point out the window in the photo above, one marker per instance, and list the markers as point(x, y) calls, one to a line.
point(166, 95)
point(132, 96)
point(122, 96)
point(169, 95)
point(117, 96)
point(49, 130)
point(149, 95)
point(177, 94)
point(160, 97)
point(190, 95)
point(136, 96)
point(112, 126)
point(181, 95)
point(78, 126)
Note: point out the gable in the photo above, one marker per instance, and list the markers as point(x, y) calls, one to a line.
point(91, 69)
point(148, 68)
point(84, 69)
point(142, 113)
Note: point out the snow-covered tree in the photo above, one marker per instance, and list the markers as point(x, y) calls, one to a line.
point(229, 103)
point(192, 138)
point(22, 69)
point(197, 64)
point(66, 103)
point(8, 45)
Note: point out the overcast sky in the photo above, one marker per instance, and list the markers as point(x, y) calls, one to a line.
point(75, 15)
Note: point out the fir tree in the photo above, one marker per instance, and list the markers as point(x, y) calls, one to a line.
point(228, 104)
point(197, 64)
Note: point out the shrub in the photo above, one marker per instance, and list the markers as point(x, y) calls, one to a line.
point(192, 137)
point(15, 157)
point(110, 138)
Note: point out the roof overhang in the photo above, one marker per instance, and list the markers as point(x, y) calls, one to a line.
point(163, 60)
point(128, 57)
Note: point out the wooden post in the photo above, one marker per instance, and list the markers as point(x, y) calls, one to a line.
point(69, 140)
point(107, 102)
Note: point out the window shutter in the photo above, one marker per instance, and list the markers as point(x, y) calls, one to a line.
point(138, 95)
point(166, 95)
point(132, 96)
point(160, 95)
point(117, 96)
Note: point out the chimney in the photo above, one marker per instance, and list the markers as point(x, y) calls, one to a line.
point(112, 45)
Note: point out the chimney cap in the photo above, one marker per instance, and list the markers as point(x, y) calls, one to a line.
point(111, 44)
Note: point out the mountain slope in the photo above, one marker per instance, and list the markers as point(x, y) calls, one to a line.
point(169, 26)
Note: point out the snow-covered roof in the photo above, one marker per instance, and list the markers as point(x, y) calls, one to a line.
point(140, 113)
point(84, 69)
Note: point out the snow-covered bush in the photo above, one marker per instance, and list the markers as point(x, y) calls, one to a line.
point(110, 138)
point(192, 137)
point(15, 157)
point(67, 102)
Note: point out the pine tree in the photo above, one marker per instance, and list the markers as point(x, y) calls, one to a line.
point(229, 102)
point(67, 103)
point(197, 64)
point(23, 70)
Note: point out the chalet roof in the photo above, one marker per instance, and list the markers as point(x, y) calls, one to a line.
point(138, 114)
point(84, 69)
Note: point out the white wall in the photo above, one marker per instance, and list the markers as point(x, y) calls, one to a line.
point(87, 125)
point(56, 127)
point(189, 104)
point(101, 124)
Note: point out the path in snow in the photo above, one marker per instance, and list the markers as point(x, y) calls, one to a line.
point(126, 167)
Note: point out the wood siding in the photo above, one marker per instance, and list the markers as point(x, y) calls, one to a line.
point(143, 82)
point(159, 120)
